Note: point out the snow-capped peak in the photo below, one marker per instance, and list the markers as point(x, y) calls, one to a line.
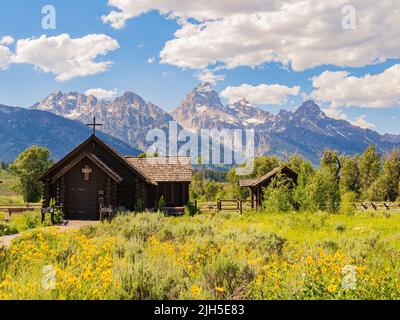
point(204, 87)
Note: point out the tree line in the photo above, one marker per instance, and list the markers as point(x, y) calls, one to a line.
point(334, 185)
point(337, 182)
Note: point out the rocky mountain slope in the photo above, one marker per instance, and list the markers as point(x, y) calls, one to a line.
point(306, 130)
point(127, 118)
point(21, 128)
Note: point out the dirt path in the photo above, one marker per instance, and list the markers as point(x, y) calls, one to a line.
point(5, 241)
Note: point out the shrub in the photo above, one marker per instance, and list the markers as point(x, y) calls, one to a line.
point(330, 245)
point(341, 227)
point(278, 196)
point(347, 203)
point(143, 282)
point(229, 279)
point(32, 220)
point(160, 204)
point(8, 229)
point(269, 243)
point(191, 210)
point(139, 205)
point(58, 216)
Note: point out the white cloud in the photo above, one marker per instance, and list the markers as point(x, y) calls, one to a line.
point(361, 122)
point(66, 57)
point(200, 9)
point(151, 60)
point(6, 40)
point(209, 76)
point(340, 115)
point(341, 89)
point(261, 94)
point(5, 57)
point(335, 114)
point(300, 33)
point(101, 93)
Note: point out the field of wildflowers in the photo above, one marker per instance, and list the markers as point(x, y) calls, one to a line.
point(223, 256)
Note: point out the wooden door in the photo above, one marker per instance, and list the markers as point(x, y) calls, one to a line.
point(86, 202)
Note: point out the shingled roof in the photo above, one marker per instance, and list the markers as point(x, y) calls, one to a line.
point(164, 169)
point(72, 154)
point(267, 176)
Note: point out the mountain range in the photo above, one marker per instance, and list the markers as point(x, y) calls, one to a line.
point(127, 118)
point(307, 130)
point(21, 128)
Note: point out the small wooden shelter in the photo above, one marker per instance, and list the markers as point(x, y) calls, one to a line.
point(258, 184)
point(94, 176)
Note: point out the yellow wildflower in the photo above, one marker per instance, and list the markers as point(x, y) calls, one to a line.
point(332, 288)
point(196, 290)
point(296, 266)
point(309, 260)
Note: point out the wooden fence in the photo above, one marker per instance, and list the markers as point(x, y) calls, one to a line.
point(377, 206)
point(227, 205)
point(241, 205)
point(15, 209)
point(4, 208)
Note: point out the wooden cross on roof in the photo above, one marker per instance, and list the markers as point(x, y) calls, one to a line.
point(94, 125)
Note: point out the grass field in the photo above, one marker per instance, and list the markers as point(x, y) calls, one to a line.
point(223, 256)
point(8, 196)
point(20, 222)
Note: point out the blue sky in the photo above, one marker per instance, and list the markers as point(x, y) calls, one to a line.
point(148, 33)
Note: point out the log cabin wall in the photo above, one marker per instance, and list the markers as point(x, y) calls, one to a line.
point(126, 191)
